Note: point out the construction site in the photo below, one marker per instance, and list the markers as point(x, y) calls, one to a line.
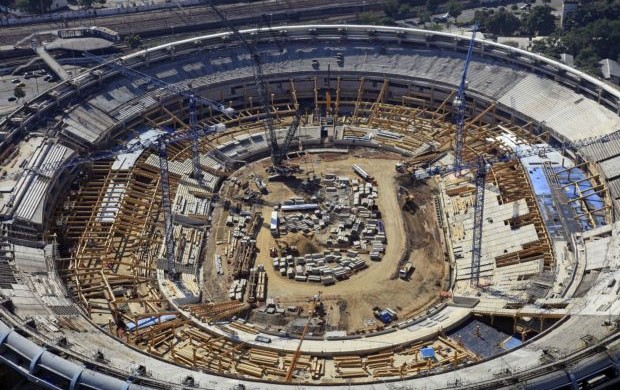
point(313, 205)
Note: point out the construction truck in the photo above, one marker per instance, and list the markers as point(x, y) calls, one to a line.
point(405, 270)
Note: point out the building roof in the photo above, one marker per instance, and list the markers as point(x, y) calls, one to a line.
point(568, 59)
point(610, 68)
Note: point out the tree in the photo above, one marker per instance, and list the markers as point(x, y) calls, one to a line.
point(370, 17)
point(588, 60)
point(600, 36)
point(590, 33)
point(404, 9)
point(90, 3)
point(501, 22)
point(539, 21)
point(19, 92)
point(589, 12)
point(433, 5)
point(425, 16)
point(390, 7)
point(34, 6)
point(455, 9)
point(133, 40)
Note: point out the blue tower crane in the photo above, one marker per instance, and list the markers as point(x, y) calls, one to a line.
point(460, 105)
point(480, 171)
point(164, 182)
point(186, 92)
point(278, 152)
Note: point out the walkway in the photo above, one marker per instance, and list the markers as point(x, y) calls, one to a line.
point(52, 63)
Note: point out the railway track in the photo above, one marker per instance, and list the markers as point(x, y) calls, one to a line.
point(164, 22)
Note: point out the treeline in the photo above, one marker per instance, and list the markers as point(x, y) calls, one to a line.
point(422, 9)
point(590, 33)
point(537, 20)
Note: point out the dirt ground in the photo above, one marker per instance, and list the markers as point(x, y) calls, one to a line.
point(376, 285)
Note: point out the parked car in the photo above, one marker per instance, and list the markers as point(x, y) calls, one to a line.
point(442, 18)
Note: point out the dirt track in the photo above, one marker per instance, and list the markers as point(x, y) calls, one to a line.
point(374, 285)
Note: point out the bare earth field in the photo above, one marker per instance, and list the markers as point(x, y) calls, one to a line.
point(376, 285)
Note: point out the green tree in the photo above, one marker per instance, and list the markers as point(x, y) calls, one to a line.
point(588, 60)
point(90, 3)
point(590, 33)
point(501, 22)
point(19, 92)
point(425, 16)
point(390, 7)
point(455, 9)
point(133, 40)
point(370, 17)
point(386, 21)
point(34, 6)
point(404, 9)
point(433, 5)
point(591, 11)
point(539, 21)
point(602, 36)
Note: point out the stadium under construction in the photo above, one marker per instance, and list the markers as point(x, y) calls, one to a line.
point(313, 206)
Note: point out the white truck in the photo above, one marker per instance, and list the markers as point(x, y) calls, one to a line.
point(405, 270)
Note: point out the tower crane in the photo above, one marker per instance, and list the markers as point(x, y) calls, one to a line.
point(185, 92)
point(480, 168)
point(164, 182)
point(476, 249)
point(161, 142)
point(278, 152)
point(459, 118)
point(460, 105)
point(316, 305)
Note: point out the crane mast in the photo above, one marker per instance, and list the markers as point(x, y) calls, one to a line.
point(476, 249)
point(278, 152)
point(259, 80)
point(184, 92)
point(193, 124)
point(480, 174)
point(166, 205)
point(459, 105)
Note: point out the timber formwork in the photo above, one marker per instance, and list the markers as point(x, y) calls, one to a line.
point(112, 267)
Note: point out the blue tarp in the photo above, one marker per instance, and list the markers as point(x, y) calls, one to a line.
point(539, 181)
point(581, 187)
point(427, 353)
point(512, 342)
point(149, 321)
point(385, 317)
